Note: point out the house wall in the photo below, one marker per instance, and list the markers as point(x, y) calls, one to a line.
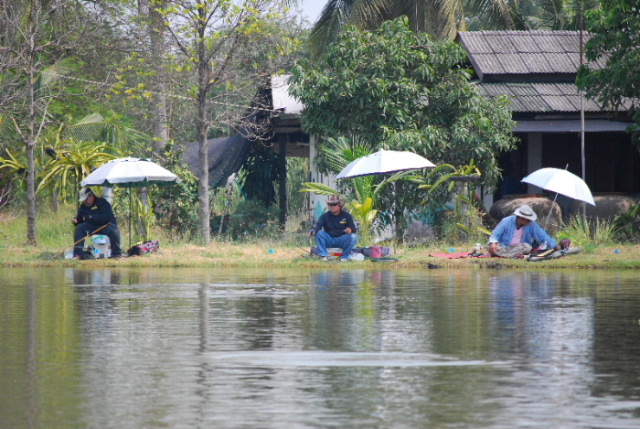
point(612, 166)
point(534, 157)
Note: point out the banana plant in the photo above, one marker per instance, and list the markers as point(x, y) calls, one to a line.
point(457, 179)
point(363, 211)
point(335, 155)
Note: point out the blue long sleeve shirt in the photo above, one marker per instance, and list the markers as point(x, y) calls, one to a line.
point(504, 231)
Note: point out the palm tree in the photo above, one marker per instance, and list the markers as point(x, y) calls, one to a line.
point(444, 18)
point(440, 18)
point(553, 14)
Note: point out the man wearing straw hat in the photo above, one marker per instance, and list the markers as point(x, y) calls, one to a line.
point(515, 234)
point(335, 228)
point(95, 215)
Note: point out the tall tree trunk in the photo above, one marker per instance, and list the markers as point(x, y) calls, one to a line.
point(156, 28)
point(203, 184)
point(157, 41)
point(203, 170)
point(32, 234)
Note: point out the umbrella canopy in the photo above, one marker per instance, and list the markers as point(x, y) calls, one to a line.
point(561, 182)
point(130, 173)
point(383, 162)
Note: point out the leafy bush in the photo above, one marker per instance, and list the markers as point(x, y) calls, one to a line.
point(176, 206)
point(252, 220)
point(588, 233)
point(627, 224)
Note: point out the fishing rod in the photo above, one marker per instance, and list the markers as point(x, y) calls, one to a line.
point(83, 238)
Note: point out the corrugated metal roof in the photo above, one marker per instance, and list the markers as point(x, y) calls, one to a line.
point(571, 126)
point(523, 52)
point(540, 97)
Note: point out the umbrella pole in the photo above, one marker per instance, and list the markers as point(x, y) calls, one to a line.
point(550, 210)
point(130, 209)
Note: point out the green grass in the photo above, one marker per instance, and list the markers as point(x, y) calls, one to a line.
point(291, 250)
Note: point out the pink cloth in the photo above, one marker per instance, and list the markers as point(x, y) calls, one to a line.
point(517, 237)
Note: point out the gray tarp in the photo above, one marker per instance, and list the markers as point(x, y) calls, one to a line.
point(226, 156)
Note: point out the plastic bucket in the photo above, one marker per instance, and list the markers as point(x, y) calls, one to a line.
point(335, 251)
point(101, 246)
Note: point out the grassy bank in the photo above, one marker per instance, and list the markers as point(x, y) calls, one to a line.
point(289, 250)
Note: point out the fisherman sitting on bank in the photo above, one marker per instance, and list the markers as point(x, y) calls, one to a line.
point(335, 228)
point(93, 214)
point(515, 234)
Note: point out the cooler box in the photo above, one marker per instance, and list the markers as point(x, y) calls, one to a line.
point(101, 246)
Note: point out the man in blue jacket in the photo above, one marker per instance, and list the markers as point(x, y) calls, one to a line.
point(335, 228)
point(515, 234)
point(93, 213)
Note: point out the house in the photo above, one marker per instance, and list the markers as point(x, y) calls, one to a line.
point(537, 71)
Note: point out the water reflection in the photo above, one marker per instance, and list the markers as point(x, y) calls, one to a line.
point(332, 348)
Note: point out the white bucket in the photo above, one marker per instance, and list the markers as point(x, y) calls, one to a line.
point(68, 254)
point(101, 246)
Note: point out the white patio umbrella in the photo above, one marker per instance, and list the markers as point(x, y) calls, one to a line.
point(384, 162)
point(130, 173)
point(561, 182)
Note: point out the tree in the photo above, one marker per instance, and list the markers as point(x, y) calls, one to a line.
point(616, 37)
point(35, 38)
point(444, 18)
point(213, 39)
point(397, 89)
point(552, 14)
point(440, 18)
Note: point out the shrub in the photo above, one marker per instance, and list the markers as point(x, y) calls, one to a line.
point(627, 224)
point(252, 220)
point(588, 233)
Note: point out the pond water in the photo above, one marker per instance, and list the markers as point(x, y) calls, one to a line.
point(212, 348)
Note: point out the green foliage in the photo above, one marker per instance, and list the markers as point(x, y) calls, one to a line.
point(337, 153)
point(262, 175)
point(68, 167)
point(226, 201)
point(552, 14)
point(298, 172)
point(616, 28)
point(365, 215)
point(13, 166)
point(176, 207)
point(589, 234)
point(110, 131)
point(442, 19)
point(456, 227)
point(363, 211)
point(396, 89)
point(253, 220)
point(627, 224)
point(361, 193)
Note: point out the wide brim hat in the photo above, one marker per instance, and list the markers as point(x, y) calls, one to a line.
point(84, 194)
point(336, 199)
point(526, 212)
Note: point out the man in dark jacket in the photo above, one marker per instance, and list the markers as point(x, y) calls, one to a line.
point(335, 228)
point(94, 213)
